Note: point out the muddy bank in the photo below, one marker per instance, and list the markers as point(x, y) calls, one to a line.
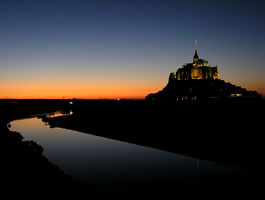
point(22, 162)
point(225, 132)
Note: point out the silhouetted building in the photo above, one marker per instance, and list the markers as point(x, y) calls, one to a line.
point(197, 81)
point(199, 69)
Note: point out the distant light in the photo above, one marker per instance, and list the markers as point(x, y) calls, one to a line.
point(118, 99)
point(71, 102)
point(236, 95)
point(71, 112)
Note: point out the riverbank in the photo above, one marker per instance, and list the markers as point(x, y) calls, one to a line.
point(23, 165)
point(225, 132)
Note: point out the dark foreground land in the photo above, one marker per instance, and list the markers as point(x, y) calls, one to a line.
point(228, 132)
point(23, 167)
point(222, 131)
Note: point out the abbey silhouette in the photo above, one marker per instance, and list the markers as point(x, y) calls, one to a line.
point(197, 81)
point(199, 69)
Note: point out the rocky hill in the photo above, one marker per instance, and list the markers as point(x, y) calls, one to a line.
point(181, 90)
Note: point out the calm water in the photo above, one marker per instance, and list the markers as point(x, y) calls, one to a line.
point(99, 160)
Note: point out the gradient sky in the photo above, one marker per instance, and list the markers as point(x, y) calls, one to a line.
point(125, 48)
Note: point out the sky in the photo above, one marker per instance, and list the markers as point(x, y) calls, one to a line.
point(125, 48)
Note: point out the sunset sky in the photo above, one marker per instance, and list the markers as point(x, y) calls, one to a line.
point(125, 48)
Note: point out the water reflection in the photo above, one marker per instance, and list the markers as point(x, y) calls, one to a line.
point(51, 115)
point(98, 160)
point(59, 113)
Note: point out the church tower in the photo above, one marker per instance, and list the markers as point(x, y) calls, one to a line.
point(195, 57)
point(199, 69)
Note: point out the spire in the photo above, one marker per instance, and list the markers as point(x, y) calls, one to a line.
point(196, 57)
point(195, 46)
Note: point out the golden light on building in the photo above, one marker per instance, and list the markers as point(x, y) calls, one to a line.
point(199, 69)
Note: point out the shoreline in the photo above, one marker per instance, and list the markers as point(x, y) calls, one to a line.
point(137, 122)
point(224, 141)
point(22, 161)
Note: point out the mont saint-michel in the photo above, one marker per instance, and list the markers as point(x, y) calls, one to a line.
point(199, 80)
point(110, 144)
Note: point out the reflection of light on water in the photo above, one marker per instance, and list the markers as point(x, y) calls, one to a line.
point(98, 160)
point(59, 114)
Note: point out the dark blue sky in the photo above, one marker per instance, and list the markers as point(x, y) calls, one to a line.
point(125, 48)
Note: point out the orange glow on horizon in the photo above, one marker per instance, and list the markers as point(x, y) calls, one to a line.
point(91, 89)
point(69, 91)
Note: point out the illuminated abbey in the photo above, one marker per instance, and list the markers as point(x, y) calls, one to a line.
point(198, 81)
point(199, 69)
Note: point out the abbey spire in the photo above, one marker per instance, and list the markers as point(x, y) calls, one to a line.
point(196, 57)
point(198, 69)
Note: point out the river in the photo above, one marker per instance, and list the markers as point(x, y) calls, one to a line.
point(102, 161)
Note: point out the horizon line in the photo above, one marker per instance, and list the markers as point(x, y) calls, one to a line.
point(72, 99)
